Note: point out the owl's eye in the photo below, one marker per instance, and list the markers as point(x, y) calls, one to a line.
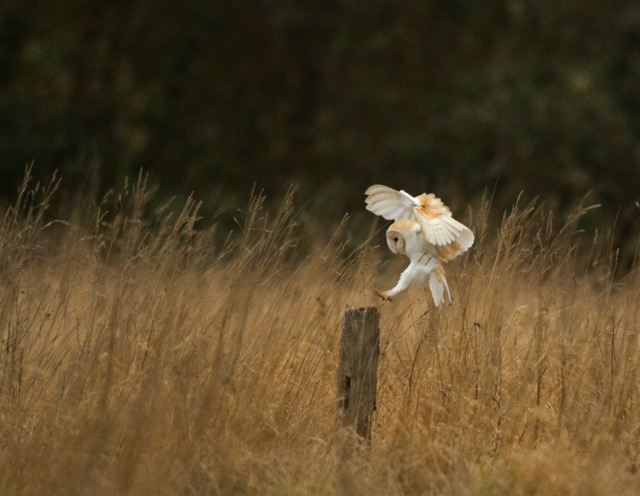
point(395, 240)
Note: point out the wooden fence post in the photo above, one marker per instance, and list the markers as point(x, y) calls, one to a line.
point(357, 371)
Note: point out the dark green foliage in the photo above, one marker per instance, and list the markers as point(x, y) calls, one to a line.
point(451, 96)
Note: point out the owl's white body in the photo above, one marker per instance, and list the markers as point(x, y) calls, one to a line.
point(424, 231)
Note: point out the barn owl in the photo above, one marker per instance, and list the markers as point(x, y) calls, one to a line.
point(424, 231)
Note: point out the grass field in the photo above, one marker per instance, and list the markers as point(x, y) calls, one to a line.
point(140, 355)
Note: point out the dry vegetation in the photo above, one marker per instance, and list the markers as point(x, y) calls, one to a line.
point(138, 359)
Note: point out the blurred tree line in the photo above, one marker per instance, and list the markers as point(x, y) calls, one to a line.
point(451, 96)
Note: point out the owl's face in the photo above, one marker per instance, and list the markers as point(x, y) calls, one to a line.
point(400, 234)
point(396, 242)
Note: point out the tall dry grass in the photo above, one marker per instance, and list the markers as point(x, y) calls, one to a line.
point(143, 356)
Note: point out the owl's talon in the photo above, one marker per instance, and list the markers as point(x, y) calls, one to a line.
point(382, 295)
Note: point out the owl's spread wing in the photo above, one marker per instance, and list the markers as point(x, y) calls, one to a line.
point(390, 203)
point(440, 228)
point(451, 250)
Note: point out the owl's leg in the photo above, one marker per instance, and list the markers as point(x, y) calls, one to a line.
point(438, 285)
point(403, 284)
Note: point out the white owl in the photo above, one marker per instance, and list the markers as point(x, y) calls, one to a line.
point(424, 231)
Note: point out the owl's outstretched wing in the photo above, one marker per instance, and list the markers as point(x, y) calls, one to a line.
point(451, 250)
point(440, 228)
point(443, 230)
point(390, 203)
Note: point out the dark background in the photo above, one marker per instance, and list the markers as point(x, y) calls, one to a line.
point(458, 97)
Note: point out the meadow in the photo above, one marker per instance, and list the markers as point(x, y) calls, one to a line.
point(142, 354)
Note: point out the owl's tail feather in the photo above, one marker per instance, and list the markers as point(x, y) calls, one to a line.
point(437, 285)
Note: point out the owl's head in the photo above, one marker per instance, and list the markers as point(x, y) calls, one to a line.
point(395, 240)
point(398, 234)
